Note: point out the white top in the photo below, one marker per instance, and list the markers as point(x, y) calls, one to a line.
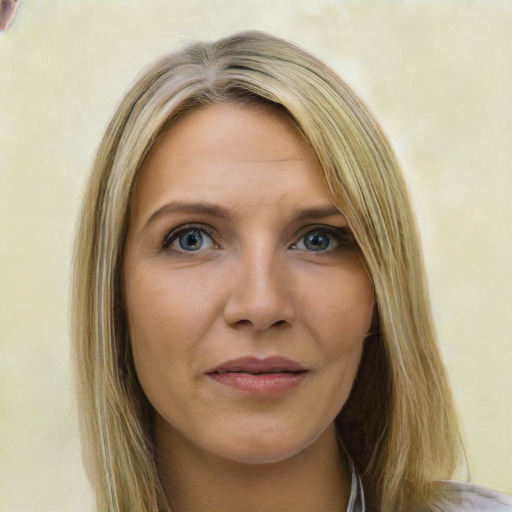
point(468, 497)
point(464, 497)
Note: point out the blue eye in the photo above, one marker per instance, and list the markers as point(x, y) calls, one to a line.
point(317, 241)
point(325, 239)
point(188, 239)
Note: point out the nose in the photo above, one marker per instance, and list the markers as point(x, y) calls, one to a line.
point(261, 294)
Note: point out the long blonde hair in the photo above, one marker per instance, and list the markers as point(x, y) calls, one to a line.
point(399, 424)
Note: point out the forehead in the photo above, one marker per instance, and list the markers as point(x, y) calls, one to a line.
point(250, 131)
point(235, 155)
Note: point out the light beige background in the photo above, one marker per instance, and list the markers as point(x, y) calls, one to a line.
point(438, 75)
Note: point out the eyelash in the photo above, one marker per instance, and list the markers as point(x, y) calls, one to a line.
point(181, 230)
point(342, 236)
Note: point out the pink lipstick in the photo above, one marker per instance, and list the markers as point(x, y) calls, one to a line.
point(259, 376)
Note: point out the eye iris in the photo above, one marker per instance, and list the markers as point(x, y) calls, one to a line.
point(316, 241)
point(191, 240)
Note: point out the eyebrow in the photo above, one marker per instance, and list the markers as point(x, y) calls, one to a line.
point(315, 212)
point(205, 208)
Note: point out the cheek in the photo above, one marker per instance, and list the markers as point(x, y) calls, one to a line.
point(157, 298)
point(340, 310)
point(167, 316)
point(339, 318)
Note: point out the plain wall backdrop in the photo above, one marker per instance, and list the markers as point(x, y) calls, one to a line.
point(438, 76)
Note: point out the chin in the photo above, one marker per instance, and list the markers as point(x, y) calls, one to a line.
point(270, 455)
point(264, 450)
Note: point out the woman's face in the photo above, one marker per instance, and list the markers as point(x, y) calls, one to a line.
point(247, 302)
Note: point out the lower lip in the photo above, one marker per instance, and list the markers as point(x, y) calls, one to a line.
point(264, 384)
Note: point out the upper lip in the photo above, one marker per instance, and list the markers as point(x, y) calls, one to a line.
point(273, 364)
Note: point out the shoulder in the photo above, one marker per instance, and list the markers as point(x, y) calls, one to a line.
point(469, 497)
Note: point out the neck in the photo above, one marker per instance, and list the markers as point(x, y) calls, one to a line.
point(193, 480)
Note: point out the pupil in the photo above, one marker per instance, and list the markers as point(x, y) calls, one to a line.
point(191, 241)
point(316, 241)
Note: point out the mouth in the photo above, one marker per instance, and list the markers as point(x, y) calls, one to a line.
point(269, 372)
point(259, 376)
point(256, 366)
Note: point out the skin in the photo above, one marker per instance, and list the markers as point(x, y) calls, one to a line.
point(254, 287)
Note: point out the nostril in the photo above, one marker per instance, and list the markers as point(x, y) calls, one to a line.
point(243, 323)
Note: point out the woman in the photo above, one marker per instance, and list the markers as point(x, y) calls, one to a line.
point(251, 323)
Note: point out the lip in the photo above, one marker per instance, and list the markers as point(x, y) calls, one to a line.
point(255, 365)
point(269, 376)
